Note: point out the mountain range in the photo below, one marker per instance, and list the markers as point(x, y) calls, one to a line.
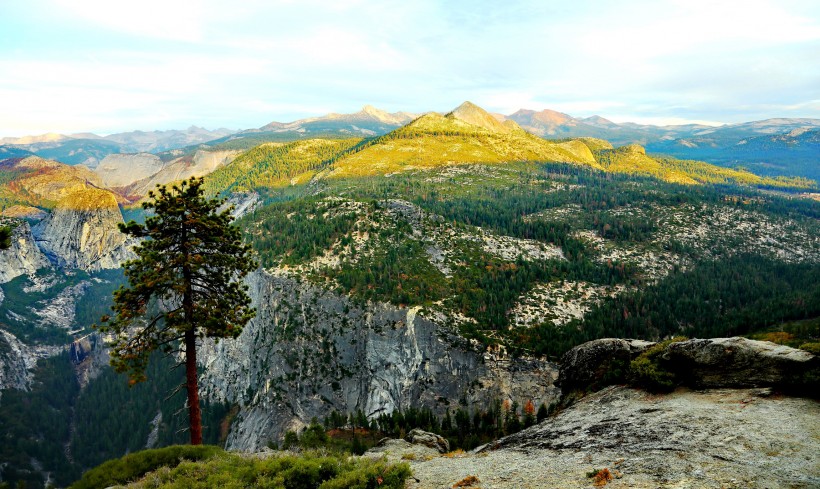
point(729, 145)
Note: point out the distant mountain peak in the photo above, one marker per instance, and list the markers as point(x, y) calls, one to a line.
point(380, 115)
point(596, 119)
point(473, 114)
point(42, 138)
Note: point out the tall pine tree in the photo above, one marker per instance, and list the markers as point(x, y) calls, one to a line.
point(184, 284)
point(5, 237)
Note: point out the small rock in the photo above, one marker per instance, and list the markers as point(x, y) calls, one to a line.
point(432, 440)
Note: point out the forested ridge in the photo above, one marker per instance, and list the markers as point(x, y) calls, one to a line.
point(735, 293)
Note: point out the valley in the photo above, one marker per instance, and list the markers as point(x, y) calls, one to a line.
point(435, 262)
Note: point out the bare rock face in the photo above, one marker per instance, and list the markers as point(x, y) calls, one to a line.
point(198, 165)
point(17, 360)
point(81, 232)
point(594, 363)
point(741, 362)
point(14, 372)
point(23, 257)
point(120, 170)
point(243, 203)
point(309, 351)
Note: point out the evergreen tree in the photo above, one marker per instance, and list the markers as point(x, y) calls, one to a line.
point(542, 413)
point(184, 284)
point(5, 237)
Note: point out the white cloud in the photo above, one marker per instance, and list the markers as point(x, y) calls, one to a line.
point(244, 64)
point(180, 20)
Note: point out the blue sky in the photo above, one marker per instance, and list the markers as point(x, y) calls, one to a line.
point(107, 66)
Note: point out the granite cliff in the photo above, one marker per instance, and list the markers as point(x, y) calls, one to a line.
point(23, 257)
point(310, 351)
point(81, 232)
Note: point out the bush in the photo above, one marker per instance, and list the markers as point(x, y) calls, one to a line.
point(309, 470)
point(648, 372)
point(367, 475)
point(135, 465)
point(811, 347)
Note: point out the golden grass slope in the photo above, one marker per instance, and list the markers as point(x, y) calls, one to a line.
point(44, 182)
point(467, 135)
point(434, 140)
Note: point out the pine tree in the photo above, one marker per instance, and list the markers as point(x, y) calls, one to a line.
point(184, 284)
point(5, 237)
point(543, 413)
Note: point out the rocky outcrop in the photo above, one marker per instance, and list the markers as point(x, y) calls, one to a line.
point(310, 351)
point(243, 203)
point(17, 360)
point(199, 164)
point(417, 445)
point(14, 372)
point(475, 115)
point(81, 232)
point(699, 439)
point(741, 362)
point(430, 440)
point(400, 451)
point(596, 363)
point(23, 257)
point(24, 212)
point(698, 363)
point(120, 170)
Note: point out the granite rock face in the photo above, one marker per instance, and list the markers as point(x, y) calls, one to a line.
point(23, 257)
point(199, 164)
point(120, 170)
point(81, 232)
point(310, 351)
point(17, 360)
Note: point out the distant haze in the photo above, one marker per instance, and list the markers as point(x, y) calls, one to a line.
point(69, 66)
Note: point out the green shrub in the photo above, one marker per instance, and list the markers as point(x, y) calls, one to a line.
point(291, 440)
point(309, 470)
point(648, 372)
point(135, 465)
point(370, 475)
point(811, 347)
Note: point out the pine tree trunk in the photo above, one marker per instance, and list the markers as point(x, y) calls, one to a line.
point(194, 414)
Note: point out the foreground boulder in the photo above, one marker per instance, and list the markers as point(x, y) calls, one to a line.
point(598, 363)
point(698, 363)
point(400, 450)
point(432, 440)
point(741, 362)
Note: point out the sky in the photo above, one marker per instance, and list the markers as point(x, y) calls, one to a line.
point(107, 66)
